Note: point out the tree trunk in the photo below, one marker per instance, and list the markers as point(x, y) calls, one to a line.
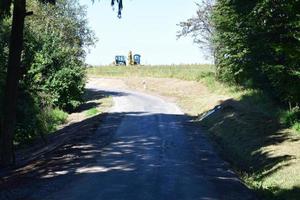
point(12, 82)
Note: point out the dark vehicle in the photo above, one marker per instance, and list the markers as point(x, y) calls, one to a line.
point(120, 60)
point(137, 59)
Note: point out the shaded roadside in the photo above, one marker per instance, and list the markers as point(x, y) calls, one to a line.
point(79, 124)
point(60, 153)
point(127, 165)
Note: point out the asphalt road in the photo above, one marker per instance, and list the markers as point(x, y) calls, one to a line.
point(153, 152)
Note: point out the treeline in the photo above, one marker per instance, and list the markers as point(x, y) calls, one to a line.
point(52, 76)
point(255, 44)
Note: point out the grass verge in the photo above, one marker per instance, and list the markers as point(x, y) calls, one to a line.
point(249, 131)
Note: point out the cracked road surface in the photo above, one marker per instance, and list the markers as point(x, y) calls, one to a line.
point(152, 152)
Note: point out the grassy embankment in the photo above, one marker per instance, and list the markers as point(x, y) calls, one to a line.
point(250, 131)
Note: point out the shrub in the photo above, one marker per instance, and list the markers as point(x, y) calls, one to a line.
point(291, 118)
point(67, 88)
point(58, 116)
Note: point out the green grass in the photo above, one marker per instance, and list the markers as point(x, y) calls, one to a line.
point(249, 131)
point(186, 72)
point(92, 112)
point(296, 126)
point(291, 118)
point(58, 116)
point(53, 118)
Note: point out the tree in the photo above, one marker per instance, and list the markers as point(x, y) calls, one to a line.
point(13, 73)
point(14, 68)
point(200, 27)
point(257, 45)
point(56, 52)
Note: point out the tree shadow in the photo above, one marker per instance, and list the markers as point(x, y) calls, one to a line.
point(92, 95)
point(252, 140)
point(277, 193)
point(86, 106)
point(85, 151)
point(144, 161)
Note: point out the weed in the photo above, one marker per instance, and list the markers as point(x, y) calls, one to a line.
point(291, 118)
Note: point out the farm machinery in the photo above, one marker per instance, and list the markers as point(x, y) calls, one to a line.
point(120, 60)
point(132, 59)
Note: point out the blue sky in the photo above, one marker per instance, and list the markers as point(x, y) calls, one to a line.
point(147, 27)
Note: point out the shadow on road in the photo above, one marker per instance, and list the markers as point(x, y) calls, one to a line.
point(104, 153)
point(142, 158)
point(91, 96)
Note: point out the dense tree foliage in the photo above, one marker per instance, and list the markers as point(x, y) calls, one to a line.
point(66, 96)
point(52, 72)
point(257, 44)
point(58, 36)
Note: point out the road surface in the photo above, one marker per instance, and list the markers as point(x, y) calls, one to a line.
point(152, 152)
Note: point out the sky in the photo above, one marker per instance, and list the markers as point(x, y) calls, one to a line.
point(147, 27)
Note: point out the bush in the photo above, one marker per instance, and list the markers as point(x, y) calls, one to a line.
point(53, 71)
point(34, 120)
point(291, 118)
point(58, 116)
point(67, 87)
point(296, 126)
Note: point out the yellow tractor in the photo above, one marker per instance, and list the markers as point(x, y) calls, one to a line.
point(135, 59)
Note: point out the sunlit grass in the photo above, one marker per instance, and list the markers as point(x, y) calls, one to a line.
point(185, 72)
point(92, 112)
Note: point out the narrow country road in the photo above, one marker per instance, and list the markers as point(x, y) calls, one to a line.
point(153, 153)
